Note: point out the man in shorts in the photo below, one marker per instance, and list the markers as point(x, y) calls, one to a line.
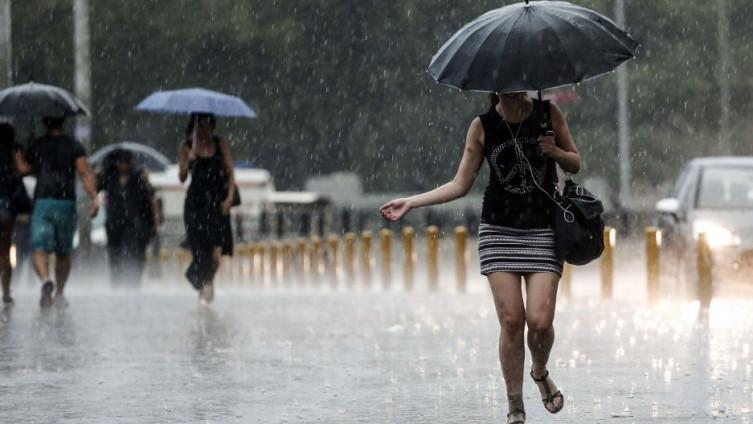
point(55, 158)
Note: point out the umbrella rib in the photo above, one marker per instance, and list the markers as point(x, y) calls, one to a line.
point(445, 50)
point(483, 43)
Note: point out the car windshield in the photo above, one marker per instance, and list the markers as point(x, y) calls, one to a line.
point(726, 188)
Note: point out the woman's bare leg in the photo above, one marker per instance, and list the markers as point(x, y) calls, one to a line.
point(508, 300)
point(541, 299)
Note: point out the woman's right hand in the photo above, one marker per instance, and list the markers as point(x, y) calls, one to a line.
point(395, 209)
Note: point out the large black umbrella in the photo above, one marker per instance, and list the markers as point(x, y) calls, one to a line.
point(33, 99)
point(531, 46)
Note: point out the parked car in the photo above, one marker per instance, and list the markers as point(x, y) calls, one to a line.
point(713, 196)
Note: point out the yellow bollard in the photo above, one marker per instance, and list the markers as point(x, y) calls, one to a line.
point(303, 261)
point(264, 268)
point(317, 267)
point(183, 258)
point(704, 270)
point(274, 262)
point(333, 243)
point(607, 262)
point(366, 237)
point(385, 245)
point(432, 256)
point(349, 258)
point(566, 282)
point(408, 257)
point(287, 262)
point(461, 257)
point(653, 270)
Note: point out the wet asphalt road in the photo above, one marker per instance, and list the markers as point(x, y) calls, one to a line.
point(308, 356)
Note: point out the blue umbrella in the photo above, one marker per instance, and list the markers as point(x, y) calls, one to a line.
point(196, 100)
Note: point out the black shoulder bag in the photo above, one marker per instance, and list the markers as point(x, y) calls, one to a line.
point(576, 219)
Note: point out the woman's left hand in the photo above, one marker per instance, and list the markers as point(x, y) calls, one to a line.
point(227, 205)
point(548, 146)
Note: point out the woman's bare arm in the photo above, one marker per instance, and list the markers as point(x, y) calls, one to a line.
point(473, 157)
point(227, 157)
point(184, 153)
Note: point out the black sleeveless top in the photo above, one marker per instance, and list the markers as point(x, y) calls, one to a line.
point(512, 199)
point(208, 179)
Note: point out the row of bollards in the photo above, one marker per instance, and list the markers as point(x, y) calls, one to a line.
point(653, 266)
point(281, 262)
point(314, 259)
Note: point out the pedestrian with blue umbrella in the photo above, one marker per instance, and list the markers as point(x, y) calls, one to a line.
point(530, 46)
point(207, 159)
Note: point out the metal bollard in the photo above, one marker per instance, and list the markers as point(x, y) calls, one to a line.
point(653, 270)
point(566, 282)
point(333, 243)
point(287, 262)
point(303, 261)
point(317, 267)
point(409, 257)
point(366, 238)
point(705, 266)
point(349, 257)
point(461, 257)
point(607, 263)
point(432, 256)
point(261, 262)
point(274, 262)
point(385, 246)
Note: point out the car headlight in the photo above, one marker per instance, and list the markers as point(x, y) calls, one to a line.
point(716, 235)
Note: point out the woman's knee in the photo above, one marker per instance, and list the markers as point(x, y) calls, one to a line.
point(539, 323)
point(512, 322)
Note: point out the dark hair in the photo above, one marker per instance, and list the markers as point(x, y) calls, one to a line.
point(493, 100)
point(195, 117)
point(7, 139)
point(53, 122)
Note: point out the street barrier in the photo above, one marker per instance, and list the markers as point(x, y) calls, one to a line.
point(566, 282)
point(333, 243)
point(461, 257)
point(366, 237)
point(385, 245)
point(432, 256)
point(704, 270)
point(349, 258)
point(653, 264)
point(408, 257)
point(607, 262)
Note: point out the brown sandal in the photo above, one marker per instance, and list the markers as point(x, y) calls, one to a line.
point(516, 408)
point(549, 397)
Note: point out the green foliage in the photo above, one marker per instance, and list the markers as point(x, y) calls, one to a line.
point(341, 84)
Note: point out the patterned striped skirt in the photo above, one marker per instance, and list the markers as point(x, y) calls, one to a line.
point(503, 249)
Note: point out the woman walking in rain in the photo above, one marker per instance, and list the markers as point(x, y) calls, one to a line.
point(516, 241)
point(207, 158)
point(131, 216)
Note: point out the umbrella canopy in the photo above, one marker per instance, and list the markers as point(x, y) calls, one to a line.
point(143, 156)
point(531, 46)
point(196, 100)
point(33, 99)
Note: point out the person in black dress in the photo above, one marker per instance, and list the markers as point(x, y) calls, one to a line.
point(516, 240)
point(131, 216)
point(206, 215)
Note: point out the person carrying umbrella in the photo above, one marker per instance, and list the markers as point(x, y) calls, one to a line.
point(55, 159)
point(508, 51)
point(207, 158)
point(132, 216)
point(211, 194)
